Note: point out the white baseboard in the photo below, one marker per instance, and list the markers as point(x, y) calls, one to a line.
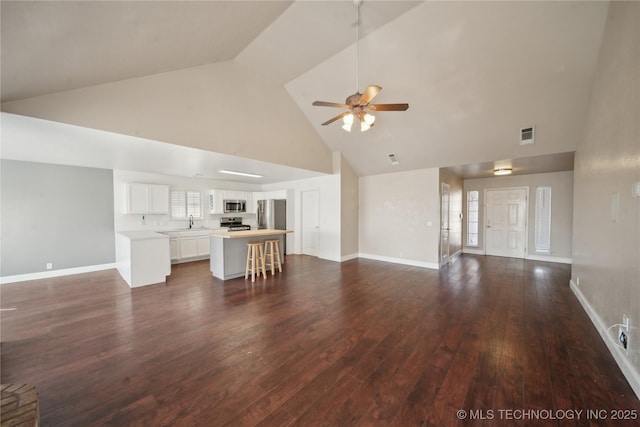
point(628, 370)
point(431, 265)
point(349, 257)
point(473, 251)
point(548, 258)
point(55, 273)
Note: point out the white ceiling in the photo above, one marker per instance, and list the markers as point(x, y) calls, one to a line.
point(473, 73)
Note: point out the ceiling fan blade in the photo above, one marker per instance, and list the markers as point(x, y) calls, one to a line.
point(389, 107)
point(338, 117)
point(329, 104)
point(369, 93)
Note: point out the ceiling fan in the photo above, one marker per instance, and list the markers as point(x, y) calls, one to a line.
point(358, 104)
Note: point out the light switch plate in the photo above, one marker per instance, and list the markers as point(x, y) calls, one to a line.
point(635, 190)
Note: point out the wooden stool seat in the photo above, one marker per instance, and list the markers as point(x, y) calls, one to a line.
point(272, 255)
point(255, 261)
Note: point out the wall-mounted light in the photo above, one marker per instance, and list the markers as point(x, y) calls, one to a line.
point(502, 171)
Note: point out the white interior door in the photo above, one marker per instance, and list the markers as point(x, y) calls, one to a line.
point(505, 224)
point(444, 224)
point(310, 222)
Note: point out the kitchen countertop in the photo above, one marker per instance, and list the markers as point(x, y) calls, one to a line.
point(248, 233)
point(142, 235)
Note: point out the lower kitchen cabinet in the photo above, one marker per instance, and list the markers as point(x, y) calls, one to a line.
point(174, 247)
point(189, 248)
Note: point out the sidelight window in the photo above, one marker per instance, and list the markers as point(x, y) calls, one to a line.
point(543, 220)
point(472, 218)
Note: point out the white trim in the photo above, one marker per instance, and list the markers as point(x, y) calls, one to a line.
point(473, 251)
point(349, 257)
point(628, 370)
point(55, 273)
point(548, 258)
point(431, 265)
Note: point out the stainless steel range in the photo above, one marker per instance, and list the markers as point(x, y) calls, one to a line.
point(234, 224)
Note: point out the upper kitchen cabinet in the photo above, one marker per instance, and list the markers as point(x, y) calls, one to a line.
point(147, 199)
point(216, 205)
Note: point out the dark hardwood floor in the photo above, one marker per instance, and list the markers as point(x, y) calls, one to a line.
point(358, 343)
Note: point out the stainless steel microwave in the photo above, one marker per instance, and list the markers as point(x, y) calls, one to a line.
point(235, 206)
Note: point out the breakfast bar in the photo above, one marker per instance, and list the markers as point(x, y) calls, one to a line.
point(229, 250)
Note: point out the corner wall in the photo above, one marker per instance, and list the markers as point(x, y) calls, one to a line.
point(606, 222)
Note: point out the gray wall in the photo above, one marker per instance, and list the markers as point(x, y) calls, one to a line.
point(55, 214)
point(561, 184)
point(606, 253)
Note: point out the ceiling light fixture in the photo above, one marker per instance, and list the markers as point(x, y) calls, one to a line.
point(502, 171)
point(250, 175)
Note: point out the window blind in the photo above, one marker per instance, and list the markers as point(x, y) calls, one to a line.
point(185, 204)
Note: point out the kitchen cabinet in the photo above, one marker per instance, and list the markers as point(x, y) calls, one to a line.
point(147, 199)
point(216, 205)
point(188, 247)
point(192, 247)
point(174, 248)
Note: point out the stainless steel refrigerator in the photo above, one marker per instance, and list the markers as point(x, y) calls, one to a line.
point(273, 214)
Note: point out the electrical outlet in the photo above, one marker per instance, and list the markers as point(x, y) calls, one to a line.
point(49, 265)
point(622, 338)
point(623, 332)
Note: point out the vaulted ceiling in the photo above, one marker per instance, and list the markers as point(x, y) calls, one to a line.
point(473, 73)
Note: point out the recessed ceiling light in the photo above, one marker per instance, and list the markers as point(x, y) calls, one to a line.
point(250, 175)
point(502, 171)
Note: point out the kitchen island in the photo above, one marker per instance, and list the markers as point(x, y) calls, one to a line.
point(229, 250)
point(142, 257)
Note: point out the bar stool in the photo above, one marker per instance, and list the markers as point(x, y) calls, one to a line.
point(272, 255)
point(255, 260)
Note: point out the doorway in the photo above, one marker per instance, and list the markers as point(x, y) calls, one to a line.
point(506, 222)
point(445, 206)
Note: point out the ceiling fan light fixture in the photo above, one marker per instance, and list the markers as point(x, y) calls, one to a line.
point(369, 119)
point(364, 126)
point(347, 121)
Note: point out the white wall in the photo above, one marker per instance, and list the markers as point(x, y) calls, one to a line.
point(606, 251)
point(395, 212)
point(349, 209)
point(329, 200)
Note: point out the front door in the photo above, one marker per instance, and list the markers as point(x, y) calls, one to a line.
point(444, 225)
point(505, 224)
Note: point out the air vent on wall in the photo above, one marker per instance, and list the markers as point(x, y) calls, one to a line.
point(526, 135)
point(393, 159)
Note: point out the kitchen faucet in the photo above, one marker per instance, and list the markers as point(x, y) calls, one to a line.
point(190, 221)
